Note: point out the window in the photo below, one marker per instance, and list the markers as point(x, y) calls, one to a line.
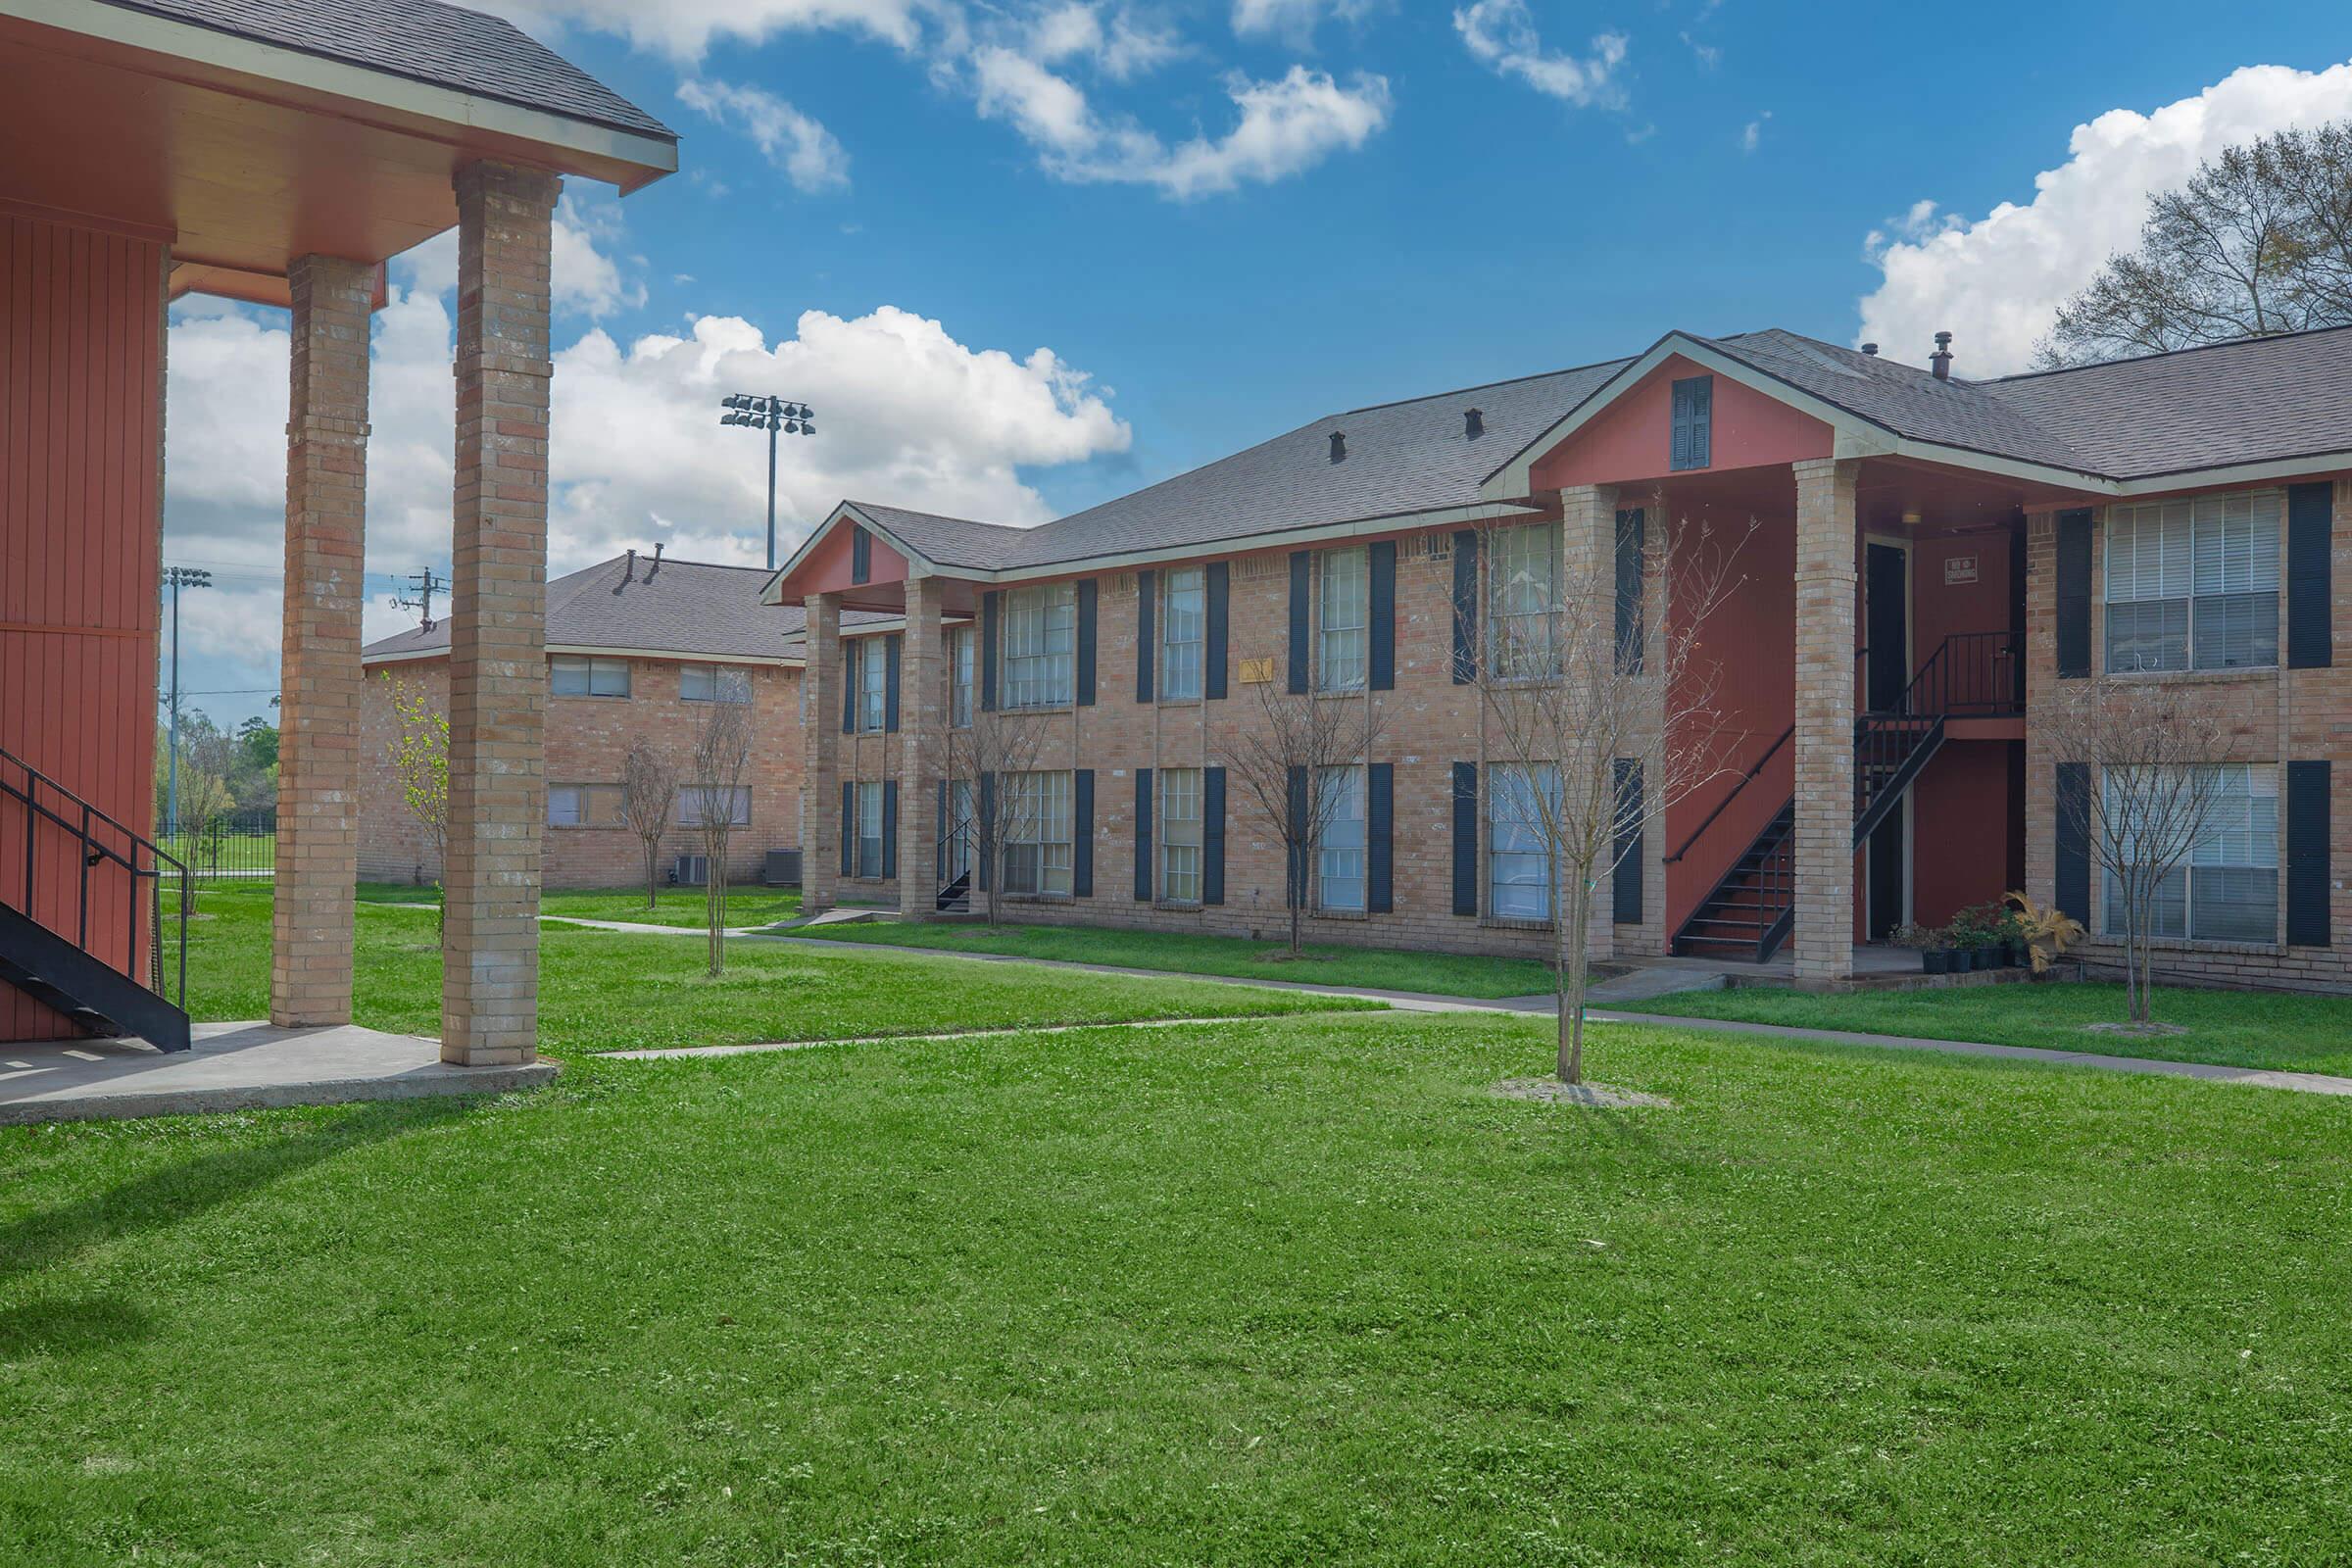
point(1344, 619)
point(2228, 889)
point(1518, 870)
point(583, 804)
point(1035, 825)
point(869, 677)
point(2193, 584)
point(960, 657)
point(714, 683)
point(1041, 643)
point(1184, 621)
point(1180, 835)
point(963, 825)
point(1523, 628)
point(578, 675)
point(689, 805)
point(1340, 854)
point(869, 831)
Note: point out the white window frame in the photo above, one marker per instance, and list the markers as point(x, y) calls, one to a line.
point(1040, 648)
point(597, 678)
point(2241, 842)
point(962, 661)
point(868, 866)
point(1343, 849)
point(689, 806)
point(1039, 815)
point(964, 823)
point(578, 806)
point(871, 672)
point(2199, 568)
point(1343, 618)
point(718, 683)
point(1513, 849)
point(1184, 634)
point(1182, 862)
point(1523, 579)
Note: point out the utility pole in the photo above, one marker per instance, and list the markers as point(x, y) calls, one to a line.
point(425, 584)
point(772, 414)
point(176, 578)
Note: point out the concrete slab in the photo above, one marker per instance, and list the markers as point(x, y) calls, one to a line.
point(235, 1066)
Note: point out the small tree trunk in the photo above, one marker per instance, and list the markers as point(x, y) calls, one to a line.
point(714, 909)
point(1573, 971)
point(653, 861)
point(1298, 900)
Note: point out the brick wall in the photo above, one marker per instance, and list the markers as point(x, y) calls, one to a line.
point(587, 738)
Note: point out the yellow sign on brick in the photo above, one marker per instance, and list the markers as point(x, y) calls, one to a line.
point(1257, 672)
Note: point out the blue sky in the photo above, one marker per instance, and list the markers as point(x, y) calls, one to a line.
point(889, 207)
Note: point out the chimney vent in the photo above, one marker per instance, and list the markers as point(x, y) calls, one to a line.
point(1942, 360)
point(1871, 348)
point(630, 575)
point(1339, 446)
point(1474, 423)
point(656, 566)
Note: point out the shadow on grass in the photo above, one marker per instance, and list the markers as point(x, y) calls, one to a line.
point(71, 1328)
point(177, 1193)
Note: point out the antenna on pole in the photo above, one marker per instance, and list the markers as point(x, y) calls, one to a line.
point(425, 585)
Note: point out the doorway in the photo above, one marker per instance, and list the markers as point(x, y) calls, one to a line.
point(1886, 675)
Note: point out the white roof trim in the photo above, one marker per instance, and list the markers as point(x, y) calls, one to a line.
point(918, 563)
point(341, 78)
point(406, 656)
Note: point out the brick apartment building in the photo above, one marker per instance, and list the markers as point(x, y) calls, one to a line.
point(637, 647)
point(1930, 558)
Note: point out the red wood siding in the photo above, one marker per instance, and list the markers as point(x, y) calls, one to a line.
point(81, 365)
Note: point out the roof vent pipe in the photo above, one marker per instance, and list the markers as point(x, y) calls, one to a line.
point(630, 574)
point(1871, 348)
point(1474, 423)
point(1942, 360)
point(656, 566)
point(1339, 446)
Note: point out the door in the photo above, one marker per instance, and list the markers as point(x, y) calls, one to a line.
point(1889, 846)
point(1886, 625)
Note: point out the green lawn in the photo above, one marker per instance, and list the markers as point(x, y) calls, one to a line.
point(1450, 973)
point(1292, 1290)
point(680, 907)
point(2237, 1028)
point(604, 990)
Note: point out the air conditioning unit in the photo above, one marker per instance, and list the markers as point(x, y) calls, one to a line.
point(692, 871)
point(783, 868)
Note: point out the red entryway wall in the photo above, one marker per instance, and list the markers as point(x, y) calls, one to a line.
point(81, 368)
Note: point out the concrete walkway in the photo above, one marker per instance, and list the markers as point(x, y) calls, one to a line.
point(235, 1066)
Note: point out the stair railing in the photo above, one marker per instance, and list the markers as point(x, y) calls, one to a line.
point(1746, 779)
point(1971, 674)
point(97, 840)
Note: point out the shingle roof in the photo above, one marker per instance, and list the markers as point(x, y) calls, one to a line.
point(685, 607)
point(425, 41)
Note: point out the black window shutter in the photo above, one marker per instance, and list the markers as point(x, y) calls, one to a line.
point(2310, 875)
point(1082, 834)
point(890, 682)
point(1466, 838)
point(1294, 850)
point(1147, 636)
point(848, 829)
point(1085, 642)
point(990, 604)
point(2074, 597)
point(862, 555)
point(1380, 831)
point(890, 827)
point(2310, 589)
point(1625, 887)
point(1693, 423)
point(1212, 835)
point(1465, 606)
point(1142, 835)
point(1301, 564)
point(1382, 611)
point(984, 832)
point(2073, 891)
point(849, 687)
point(1631, 632)
point(938, 837)
point(1219, 582)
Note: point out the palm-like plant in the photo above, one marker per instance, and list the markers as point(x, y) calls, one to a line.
point(2049, 930)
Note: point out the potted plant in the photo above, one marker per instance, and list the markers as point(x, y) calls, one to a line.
point(1927, 943)
point(1967, 935)
point(1991, 922)
point(2048, 931)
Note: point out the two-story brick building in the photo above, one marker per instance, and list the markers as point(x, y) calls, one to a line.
point(1929, 558)
point(638, 647)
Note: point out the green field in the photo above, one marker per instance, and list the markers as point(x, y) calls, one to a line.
point(678, 907)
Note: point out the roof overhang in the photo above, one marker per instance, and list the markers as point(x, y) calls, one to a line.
point(783, 661)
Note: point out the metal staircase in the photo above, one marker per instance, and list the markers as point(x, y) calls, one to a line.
point(1752, 909)
point(46, 936)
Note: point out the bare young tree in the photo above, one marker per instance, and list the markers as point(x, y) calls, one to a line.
point(1281, 762)
point(420, 758)
point(1603, 719)
point(722, 767)
point(994, 814)
point(2150, 791)
point(648, 794)
point(2259, 240)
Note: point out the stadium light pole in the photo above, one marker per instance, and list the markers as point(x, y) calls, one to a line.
point(774, 416)
point(176, 578)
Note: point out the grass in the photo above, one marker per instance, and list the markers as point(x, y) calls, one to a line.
point(678, 907)
point(1449, 973)
point(2234, 1028)
point(605, 990)
point(1287, 1290)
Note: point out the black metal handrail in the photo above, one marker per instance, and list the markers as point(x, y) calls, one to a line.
point(86, 828)
point(1746, 779)
point(1971, 674)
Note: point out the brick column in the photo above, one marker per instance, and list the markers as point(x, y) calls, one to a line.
point(1824, 720)
point(923, 747)
point(498, 617)
point(2041, 545)
point(821, 789)
point(318, 710)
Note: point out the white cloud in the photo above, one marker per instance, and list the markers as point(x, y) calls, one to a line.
point(1119, 44)
point(684, 29)
point(807, 152)
point(1997, 282)
point(1752, 135)
point(1501, 34)
point(1295, 20)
